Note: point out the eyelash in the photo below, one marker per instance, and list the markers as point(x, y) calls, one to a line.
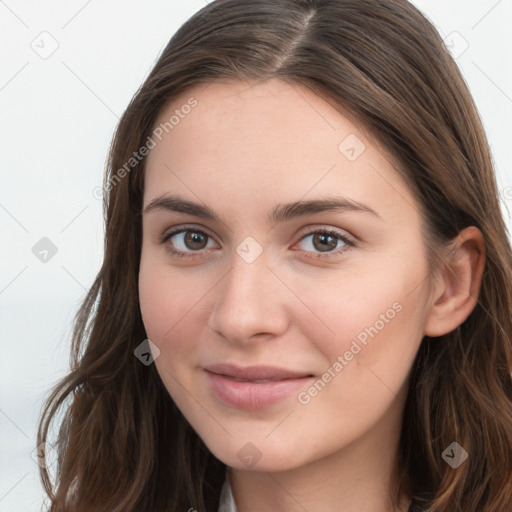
point(197, 254)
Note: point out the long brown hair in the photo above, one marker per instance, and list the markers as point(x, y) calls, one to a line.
point(123, 444)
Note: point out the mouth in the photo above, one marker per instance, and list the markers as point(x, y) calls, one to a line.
point(254, 387)
point(255, 373)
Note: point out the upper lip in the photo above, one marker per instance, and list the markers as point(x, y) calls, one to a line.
point(255, 372)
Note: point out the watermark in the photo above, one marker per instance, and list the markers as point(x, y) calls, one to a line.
point(456, 44)
point(249, 454)
point(143, 151)
point(305, 397)
point(45, 45)
point(351, 147)
point(45, 455)
point(44, 250)
point(147, 352)
point(454, 455)
point(249, 250)
point(507, 193)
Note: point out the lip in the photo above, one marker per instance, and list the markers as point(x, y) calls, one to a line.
point(242, 387)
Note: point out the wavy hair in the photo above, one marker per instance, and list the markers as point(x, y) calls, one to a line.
point(122, 443)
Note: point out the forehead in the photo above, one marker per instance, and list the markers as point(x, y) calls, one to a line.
point(252, 113)
point(260, 142)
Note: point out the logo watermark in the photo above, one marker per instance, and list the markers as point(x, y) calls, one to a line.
point(507, 194)
point(249, 454)
point(454, 455)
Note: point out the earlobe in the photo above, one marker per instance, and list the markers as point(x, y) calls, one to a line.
point(459, 284)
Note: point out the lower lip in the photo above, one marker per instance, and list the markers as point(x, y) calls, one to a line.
point(253, 395)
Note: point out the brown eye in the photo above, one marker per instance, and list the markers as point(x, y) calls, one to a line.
point(186, 242)
point(326, 242)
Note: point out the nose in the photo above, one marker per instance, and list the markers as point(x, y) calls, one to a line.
point(251, 301)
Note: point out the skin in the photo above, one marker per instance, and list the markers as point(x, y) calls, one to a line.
point(241, 151)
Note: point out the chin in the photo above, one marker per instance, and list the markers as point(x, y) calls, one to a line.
point(258, 455)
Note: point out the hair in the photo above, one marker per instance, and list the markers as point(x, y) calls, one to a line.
point(122, 443)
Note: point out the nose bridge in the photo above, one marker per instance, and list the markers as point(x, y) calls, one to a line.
point(248, 300)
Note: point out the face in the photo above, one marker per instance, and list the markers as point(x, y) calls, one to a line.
point(279, 326)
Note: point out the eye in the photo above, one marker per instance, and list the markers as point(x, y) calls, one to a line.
point(186, 242)
point(327, 241)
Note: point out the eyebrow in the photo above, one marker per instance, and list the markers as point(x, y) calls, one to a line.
point(281, 213)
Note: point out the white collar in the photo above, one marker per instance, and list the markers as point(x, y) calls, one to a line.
point(226, 502)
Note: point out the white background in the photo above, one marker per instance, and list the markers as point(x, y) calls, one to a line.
point(58, 115)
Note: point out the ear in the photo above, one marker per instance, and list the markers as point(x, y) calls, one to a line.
point(457, 289)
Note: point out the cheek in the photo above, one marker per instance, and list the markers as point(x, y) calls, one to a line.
point(366, 364)
point(170, 306)
point(164, 315)
point(153, 301)
point(371, 315)
point(164, 302)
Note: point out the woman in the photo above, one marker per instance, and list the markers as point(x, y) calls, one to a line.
point(306, 296)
